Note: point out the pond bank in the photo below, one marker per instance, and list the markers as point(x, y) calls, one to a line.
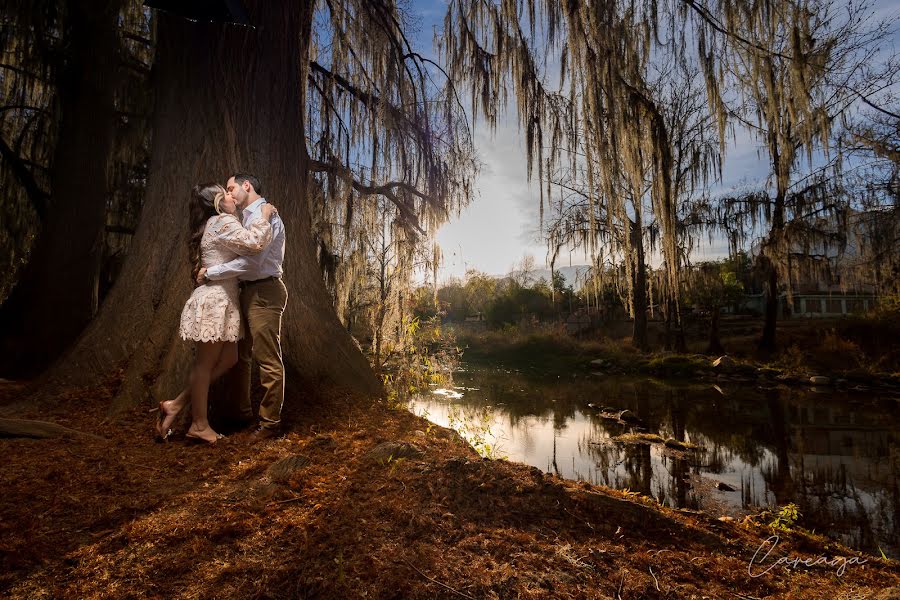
point(557, 353)
point(728, 448)
point(316, 514)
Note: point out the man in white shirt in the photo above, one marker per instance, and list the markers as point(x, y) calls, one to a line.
point(263, 299)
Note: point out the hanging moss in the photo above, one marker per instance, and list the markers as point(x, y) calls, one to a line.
point(784, 69)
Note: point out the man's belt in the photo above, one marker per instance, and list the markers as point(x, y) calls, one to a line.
point(263, 280)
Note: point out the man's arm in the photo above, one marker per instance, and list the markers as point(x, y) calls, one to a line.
point(242, 264)
point(233, 268)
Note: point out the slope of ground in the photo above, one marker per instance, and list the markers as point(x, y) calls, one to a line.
point(316, 515)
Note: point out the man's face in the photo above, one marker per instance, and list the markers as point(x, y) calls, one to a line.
point(237, 193)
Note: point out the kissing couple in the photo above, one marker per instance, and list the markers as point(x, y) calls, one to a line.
point(236, 247)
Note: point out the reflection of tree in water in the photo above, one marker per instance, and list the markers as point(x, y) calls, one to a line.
point(639, 472)
point(679, 469)
point(787, 445)
point(523, 395)
point(829, 459)
point(608, 460)
point(643, 450)
point(729, 427)
point(778, 474)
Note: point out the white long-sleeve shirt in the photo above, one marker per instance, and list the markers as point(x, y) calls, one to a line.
point(267, 263)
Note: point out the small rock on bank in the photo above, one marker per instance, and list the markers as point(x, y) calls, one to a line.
point(724, 363)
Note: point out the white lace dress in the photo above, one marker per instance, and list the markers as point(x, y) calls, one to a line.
point(213, 312)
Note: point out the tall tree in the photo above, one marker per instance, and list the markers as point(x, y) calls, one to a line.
point(229, 97)
point(481, 289)
point(522, 272)
point(873, 138)
point(86, 69)
point(797, 66)
point(27, 133)
point(624, 225)
point(711, 286)
point(800, 64)
point(390, 261)
point(696, 162)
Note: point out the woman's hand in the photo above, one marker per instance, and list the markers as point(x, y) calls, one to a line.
point(268, 210)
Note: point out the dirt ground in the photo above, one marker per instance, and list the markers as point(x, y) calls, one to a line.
point(120, 516)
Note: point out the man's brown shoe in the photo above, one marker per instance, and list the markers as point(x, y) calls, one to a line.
point(263, 433)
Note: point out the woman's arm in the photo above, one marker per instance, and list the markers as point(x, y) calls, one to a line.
point(245, 242)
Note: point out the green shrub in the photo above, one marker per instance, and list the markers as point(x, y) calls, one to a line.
point(786, 517)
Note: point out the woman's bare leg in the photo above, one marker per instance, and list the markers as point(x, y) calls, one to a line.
point(208, 354)
point(171, 408)
point(227, 359)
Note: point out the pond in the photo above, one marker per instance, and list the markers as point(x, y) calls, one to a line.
point(835, 455)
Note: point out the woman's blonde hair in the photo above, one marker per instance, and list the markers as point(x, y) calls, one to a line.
point(217, 200)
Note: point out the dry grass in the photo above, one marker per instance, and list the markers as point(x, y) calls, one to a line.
point(123, 517)
point(639, 438)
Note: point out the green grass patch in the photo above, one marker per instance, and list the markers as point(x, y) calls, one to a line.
point(675, 365)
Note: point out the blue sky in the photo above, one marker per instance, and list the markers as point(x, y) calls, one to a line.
point(500, 225)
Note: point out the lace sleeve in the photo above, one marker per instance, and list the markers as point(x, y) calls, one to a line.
point(230, 233)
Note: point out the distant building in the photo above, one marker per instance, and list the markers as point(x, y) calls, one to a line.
point(832, 304)
point(825, 278)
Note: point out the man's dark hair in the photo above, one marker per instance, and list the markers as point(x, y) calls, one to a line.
point(240, 178)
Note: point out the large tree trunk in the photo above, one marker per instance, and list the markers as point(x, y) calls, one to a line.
point(639, 291)
point(674, 328)
point(774, 242)
point(228, 98)
point(767, 343)
point(668, 343)
point(715, 342)
point(57, 294)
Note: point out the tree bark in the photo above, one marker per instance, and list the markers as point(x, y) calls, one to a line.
point(782, 169)
point(674, 328)
point(228, 98)
point(767, 343)
point(668, 343)
point(639, 334)
point(680, 342)
point(670, 318)
point(715, 343)
point(57, 294)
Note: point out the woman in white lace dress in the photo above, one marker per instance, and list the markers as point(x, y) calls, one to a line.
point(211, 317)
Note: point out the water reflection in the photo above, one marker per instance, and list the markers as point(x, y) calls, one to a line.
point(834, 455)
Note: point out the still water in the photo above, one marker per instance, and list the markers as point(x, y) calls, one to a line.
point(837, 456)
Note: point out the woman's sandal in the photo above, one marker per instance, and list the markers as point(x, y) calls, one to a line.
point(198, 439)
